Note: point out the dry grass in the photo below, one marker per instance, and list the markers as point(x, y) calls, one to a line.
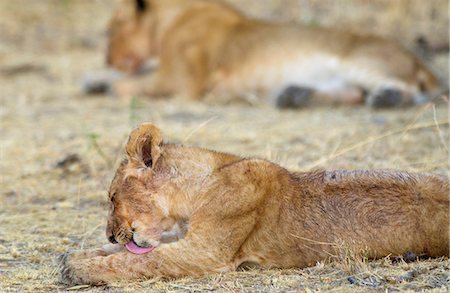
point(47, 208)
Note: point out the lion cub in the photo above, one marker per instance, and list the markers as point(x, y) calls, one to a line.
point(226, 210)
point(207, 48)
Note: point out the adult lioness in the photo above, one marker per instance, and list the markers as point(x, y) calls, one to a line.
point(206, 47)
point(226, 210)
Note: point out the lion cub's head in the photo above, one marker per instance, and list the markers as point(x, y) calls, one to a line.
point(135, 211)
point(130, 35)
point(157, 187)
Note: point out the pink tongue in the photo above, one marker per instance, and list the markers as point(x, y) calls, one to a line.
point(133, 248)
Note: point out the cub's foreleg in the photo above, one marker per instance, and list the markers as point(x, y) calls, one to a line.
point(205, 250)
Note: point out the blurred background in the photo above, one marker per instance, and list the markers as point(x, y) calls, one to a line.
point(59, 147)
point(58, 27)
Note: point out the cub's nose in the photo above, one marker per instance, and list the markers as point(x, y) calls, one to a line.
point(112, 239)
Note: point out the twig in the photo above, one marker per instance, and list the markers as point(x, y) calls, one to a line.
point(78, 287)
point(413, 122)
point(88, 233)
point(439, 129)
point(203, 124)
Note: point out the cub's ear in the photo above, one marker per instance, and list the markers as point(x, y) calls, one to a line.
point(141, 5)
point(144, 146)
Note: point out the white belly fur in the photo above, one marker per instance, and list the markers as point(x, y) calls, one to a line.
point(323, 73)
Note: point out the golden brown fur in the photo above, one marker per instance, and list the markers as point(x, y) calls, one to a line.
point(226, 210)
point(208, 48)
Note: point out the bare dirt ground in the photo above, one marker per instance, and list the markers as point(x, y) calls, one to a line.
point(59, 149)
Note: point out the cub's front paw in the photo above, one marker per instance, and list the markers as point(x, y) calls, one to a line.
point(75, 268)
point(68, 272)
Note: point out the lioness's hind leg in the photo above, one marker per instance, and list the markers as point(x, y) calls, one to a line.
point(301, 96)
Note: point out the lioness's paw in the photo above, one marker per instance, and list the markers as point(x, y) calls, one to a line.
point(388, 98)
point(100, 81)
point(126, 88)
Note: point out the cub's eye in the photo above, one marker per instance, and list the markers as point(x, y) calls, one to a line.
point(112, 196)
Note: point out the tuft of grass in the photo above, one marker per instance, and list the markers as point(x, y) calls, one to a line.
point(93, 144)
point(133, 117)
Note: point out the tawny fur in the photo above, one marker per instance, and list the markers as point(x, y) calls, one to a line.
point(207, 48)
point(227, 210)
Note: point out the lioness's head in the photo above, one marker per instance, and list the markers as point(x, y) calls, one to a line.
point(134, 212)
point(130, 35)
point(136, 30)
